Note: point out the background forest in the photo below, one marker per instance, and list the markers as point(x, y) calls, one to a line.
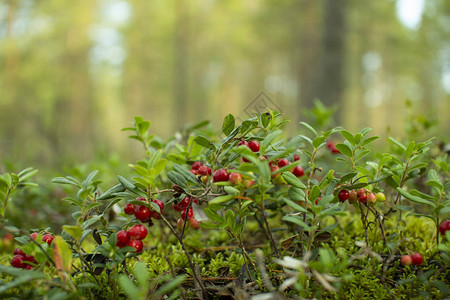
point(73, 73)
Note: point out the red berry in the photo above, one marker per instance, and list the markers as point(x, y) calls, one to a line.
point(196, 165)
point(445, 225)
point(362, 196)
point(245, 160)
point(18, 251)
point(160, 204)
point(129, 209)
point(298, 171)
point(194, 224)
point(48, 238)
point(28, 267)
point(371, 199)
point(177, 207)
point(190, 214)
point(34, 235)
point(142, 213)
point(204, 170)
point(17, 261)
point(283, 162)
point(141, 199)
point(29, 258)
point(235, 178)
point(296, 157)
point(193, 172)
point(417, 259)
point(406, 260)
point(137, 244)
point(221, 175)
point(254, 146)
point(185, 202)
point(343, 195)
point(353, 196)
point(332, 147)
point(245, 143)
point(122, 238)
point(137, 232)
point(248, 183)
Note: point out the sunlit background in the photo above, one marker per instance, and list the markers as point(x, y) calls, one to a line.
point(73, 73)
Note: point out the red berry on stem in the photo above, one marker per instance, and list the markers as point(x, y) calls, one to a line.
point(18, 251)
point(129, 209)
point(296, 157)
point(362, 196)
point(406, 260)
point(177, 207)
point(204, 170)
point(141, 199)
point(196, 165)
point(417, 259)
point(137, 244)
point(273, 170)
point(34, 235)
point(444, 226)
point(48, 238)
point(235, 178)
point(185, 202)
point(160, 204)
point(343, 195)
point(371, 199)
point(17, 261)
point(353, 196)
point(142, 213)
point(254, 146)
point(137, 232)
point(283, 162)
point(122, 238)
point(298, 171)
point(221, 175)
point(245, 143)
point(190, 214)
point(193, 172)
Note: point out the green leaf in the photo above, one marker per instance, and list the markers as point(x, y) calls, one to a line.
point(126, 183)
point(348, 136)
point(369, 140)
point(415, 198)
point(296, 194)
point(178, 179)
point(90, 221)
point(310, 128)
point(202, 141)
point(270, 138)
point(295, 206)
point(62, 255)
point(128, 287)
point(62, 180)
point(421, 215)
point(344, 149)
point(231, 190)
point(318, 141)
point(410, 149)
point(74, 231)
point(185, 173)
point(296, 220)
point(228, 124)
point(221, 199)
point(171, 285)
point(213, 215)
point(398, 144)
point(293, 180)
point(348, 176)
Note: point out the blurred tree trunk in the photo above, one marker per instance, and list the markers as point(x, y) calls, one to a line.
point(329, 83)
point(181, 62)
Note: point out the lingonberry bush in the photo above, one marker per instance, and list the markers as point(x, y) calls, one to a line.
point(244, 213)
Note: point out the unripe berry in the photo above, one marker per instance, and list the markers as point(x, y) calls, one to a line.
point(353, 196)
point(380, 197)
point(194, 224)
point(235, 178)
point(129, 209)
point(34, 235)
point(406, 260)
point(180, 224)
point(273, 170)
point(371, 199)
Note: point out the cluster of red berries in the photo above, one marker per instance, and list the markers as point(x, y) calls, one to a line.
point(199, 169)
point(24, 261)
point(280, 163)
point(141, 212)
point(362, 195)
point(182, 206)
point(132, 238)
point(332, 147)
point(253, 145)
point(415, 259)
